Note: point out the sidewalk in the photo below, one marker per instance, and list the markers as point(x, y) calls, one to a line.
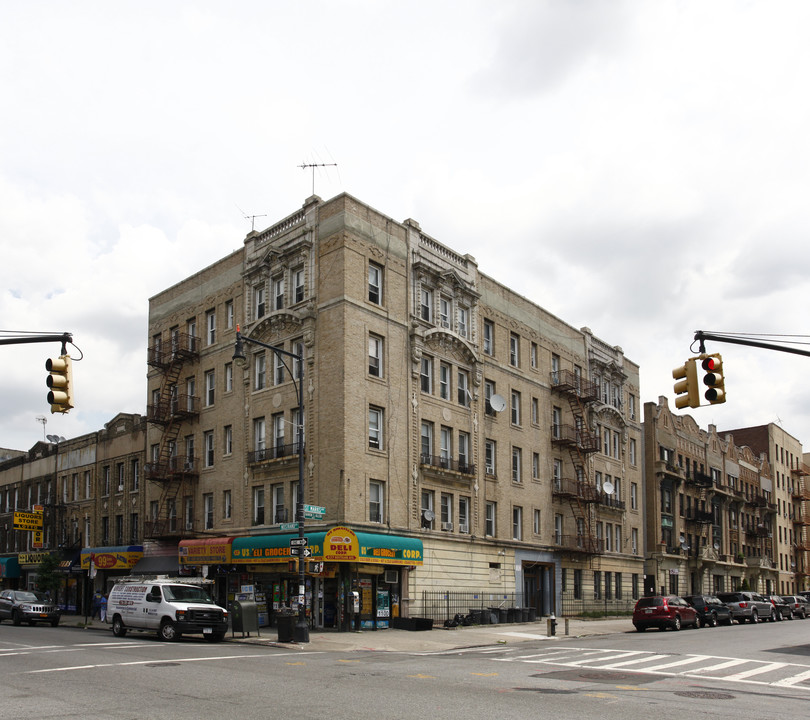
point(437, 640)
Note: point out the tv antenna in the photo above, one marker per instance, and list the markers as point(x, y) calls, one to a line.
point(305, 166)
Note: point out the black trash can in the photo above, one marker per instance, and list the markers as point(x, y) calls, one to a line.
point(532, 614)
point(512, 615)
point(475, 617)
point(503, 615)
point(493, 615)
point(484, 616)
point(524, 614)
point(244, 617)
point(285, 624)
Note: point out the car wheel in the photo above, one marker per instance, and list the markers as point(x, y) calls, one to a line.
point(711, 621)
point(55, 623)
point(118, 627)
point(168, 631)
point(16, 618)
point(755, 617)
point(676, 623)
point(641, 628)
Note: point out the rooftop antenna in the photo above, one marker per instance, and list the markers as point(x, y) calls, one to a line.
point(42, 419)
point(304, 166)
point(252, 218)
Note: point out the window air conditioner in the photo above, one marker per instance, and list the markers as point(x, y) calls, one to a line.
point(447, 527)
point(391, 577)
point(463, 528)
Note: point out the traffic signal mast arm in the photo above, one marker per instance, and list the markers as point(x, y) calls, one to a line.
point(700, 336)
point(64, 338)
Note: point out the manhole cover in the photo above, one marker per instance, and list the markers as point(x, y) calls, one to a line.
point(162, 664)
point(703, 695)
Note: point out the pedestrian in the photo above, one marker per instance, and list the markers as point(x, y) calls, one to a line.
point(103, 608)
point(96, 605)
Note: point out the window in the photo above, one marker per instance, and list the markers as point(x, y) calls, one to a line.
point(279, 510)
point(463, 321)
point(489, 456)
point(259, 441)
point(632, 451)
point(556, 422)
point(208, 441)
point(514, 350)
point(427, 505)
point(536, 522)
point(258, 505)
point(535, 411)
point(634, 496)
point(517, 460)
point(463, 452)
point(298, 285)
point(446, 511)
point(426, 304)
point(88, 487)
point(517, 523)
point(228, 377)
point(464, 515)
point(229, 314)
point(515, 407)
point(210, 327)
point(119, 472)
point(375, 280)
point(489, 519)
point(555, 369)
point(597, 584)
point(258, 301)
point(444, 381)
point(227, 508)
point(426, 375)
point(375, 355)
point(375, 428)
point(209, 388)
point(558, 529)
point(427, 441)
point(444, 312)
point(259, 371)
point(489, 391)
point(298, 361)
point(445, 446)
point(208, 511)
point(535, 466)
point(278, 293)
point(278, 368)
point(278, 434)
point(105, 483)
point(489, 337)
point(375, 501)
point(136, 475)
point(533, 356)
point(463, 391)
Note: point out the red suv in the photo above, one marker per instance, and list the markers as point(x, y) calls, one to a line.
point(663, 612)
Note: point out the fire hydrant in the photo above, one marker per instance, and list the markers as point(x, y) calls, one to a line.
point(551, 626)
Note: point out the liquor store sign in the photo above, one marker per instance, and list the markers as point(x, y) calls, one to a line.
point(27, 521)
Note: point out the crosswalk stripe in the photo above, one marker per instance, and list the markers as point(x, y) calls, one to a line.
point(768, 667)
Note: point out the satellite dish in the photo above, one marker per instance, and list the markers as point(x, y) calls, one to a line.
point(716, 545)
point(429, 515)
point(608, 488)
point(497, 403)
point(55, 438)
point(682, 540)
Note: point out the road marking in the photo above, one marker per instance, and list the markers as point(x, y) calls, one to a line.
point(633, 662)
point(795, 680)
point(676, 663)
point(756, 671)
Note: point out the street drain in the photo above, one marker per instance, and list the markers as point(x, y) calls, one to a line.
point(704, 695)
point(548, 691)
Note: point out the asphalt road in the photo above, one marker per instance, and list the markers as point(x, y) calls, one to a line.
point(740, 671)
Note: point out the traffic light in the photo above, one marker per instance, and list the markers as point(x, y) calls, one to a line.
point(60, 381)
point(686, 389)
point(713, 379)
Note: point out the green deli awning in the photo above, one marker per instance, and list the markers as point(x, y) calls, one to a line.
point(206, 551)
point(344, 545)
point(120, 557)
point(9, 568)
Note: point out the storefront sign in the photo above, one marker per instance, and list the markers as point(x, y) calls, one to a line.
point(27, 521)
point(209, 551)
point(31, 558)
point(124, 557)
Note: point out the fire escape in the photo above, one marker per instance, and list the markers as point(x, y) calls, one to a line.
point(801, 522)
point(579, 441)
point(174, 474)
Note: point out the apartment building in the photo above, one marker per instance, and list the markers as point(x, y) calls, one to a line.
point(710, 508)
point(457, 437)
point(790, 493)
point(88, 491)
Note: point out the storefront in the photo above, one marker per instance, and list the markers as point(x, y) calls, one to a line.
point(9, 572)
point(352, 579)
point(105, 564)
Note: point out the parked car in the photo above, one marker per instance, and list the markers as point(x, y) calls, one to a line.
point(663, 611)
point(25, 605)
point(711, 612)
point(781, 608)
point(799, 606)
point(746, 605)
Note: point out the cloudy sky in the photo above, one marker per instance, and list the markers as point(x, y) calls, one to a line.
point(641, 168)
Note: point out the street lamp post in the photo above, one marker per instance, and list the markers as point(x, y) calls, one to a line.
point(301, 633)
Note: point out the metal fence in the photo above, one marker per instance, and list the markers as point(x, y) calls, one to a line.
point(441, 605)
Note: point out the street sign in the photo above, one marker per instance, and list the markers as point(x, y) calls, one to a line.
point(288, 526)
point(314, 511)
point(312, 516)
point(301, 552)
point(298, 542)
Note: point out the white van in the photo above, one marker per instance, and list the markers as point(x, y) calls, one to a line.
point(168, 607)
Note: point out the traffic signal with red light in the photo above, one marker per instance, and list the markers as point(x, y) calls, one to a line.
point(60, 382)
point(687, 393)
point(713, 380)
